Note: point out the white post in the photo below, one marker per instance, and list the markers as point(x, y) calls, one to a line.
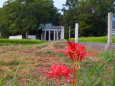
point(49, 36)
point(45, 35)
point(109, 28)
point(69, 33)
point(57, 35)
point(76, 32)
point(62, 32)
point(54, 35)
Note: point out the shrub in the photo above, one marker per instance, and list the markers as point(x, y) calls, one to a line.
point(20, 41)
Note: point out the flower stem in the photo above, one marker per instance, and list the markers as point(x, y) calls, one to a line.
point(58, 80)
point(75, 69)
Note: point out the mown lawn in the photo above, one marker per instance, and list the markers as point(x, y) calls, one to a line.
point(23, 62)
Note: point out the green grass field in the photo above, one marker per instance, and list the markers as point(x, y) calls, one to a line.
point(102, 39)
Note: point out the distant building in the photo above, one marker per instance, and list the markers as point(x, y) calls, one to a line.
point(113, 25)
point(50, 32)
point(113, 21)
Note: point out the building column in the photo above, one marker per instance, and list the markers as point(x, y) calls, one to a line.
point(41, 37)
point(45, 35)
point(57, 35)
point(76, 32)
point(49, 36)
point(54, 35)
point(62, 32)
point(69, 32)
point(109, 28)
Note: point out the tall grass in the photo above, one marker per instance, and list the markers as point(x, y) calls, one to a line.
point(2, 81)
point(102, 39)
point(87, 76)
point(92, 78)
point(114, 76)
point(20, 41)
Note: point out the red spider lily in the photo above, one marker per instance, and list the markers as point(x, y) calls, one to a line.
point(56, 71)
point(76, 51)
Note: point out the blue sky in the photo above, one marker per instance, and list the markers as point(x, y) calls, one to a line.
point(1, 2)
point(57, 3)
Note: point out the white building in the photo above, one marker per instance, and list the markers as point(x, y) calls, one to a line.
point(52, 33)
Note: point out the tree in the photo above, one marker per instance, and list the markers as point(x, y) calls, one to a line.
point(25, 16)
point(90, 14)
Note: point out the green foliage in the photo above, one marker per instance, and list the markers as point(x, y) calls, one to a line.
point(90, 14)
point(25, 16)
point(108, 55)
point(2, 81)
point(20, 41)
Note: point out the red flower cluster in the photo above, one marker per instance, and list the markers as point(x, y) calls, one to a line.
point(76, 51)
point(56, 71)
